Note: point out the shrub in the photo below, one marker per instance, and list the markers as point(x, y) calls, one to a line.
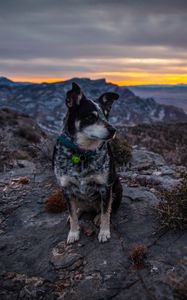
point(28, 134)
point(172, 209)
point(180, 290)
point(177, 279)
point(138, 255)
point(56, 202)
point(121, 150)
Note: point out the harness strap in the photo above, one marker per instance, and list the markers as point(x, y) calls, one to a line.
point(67, 142)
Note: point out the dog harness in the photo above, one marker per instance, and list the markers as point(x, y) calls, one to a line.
point(70, 160)
point(77, 153)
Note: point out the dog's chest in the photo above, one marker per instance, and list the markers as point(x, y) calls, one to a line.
point(87, 178)
point(64, 165)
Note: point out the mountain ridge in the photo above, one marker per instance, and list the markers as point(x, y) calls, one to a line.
point(45, 102)
point(164, 94)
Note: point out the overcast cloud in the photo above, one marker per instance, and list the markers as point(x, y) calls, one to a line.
point(60, 38)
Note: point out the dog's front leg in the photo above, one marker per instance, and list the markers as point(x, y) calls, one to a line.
point(106, 203)
point(74, 232)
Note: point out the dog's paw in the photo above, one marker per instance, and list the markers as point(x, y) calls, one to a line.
point(73, 236)
point(104, 236)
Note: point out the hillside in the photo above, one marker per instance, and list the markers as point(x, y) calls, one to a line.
point(45, 102)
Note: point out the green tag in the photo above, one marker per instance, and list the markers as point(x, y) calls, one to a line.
point(75, 159)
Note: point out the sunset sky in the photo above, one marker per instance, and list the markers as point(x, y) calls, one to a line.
point(126, 42)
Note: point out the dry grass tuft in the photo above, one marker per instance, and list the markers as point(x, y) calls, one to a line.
point(178, 280)
point(181, 289)
point(138, 255)
point(56, 202)
point(172, 210)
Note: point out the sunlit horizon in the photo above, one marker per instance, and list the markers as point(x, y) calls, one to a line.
point(159, 80)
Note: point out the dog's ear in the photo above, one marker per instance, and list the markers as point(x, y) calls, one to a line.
point(74, 96)
point(106, 100)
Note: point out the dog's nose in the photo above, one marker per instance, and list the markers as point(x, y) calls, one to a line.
point(112, 132)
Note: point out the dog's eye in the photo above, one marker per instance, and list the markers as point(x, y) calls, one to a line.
point(91, 118)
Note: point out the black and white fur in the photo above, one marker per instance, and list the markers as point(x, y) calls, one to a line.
point(93, 183)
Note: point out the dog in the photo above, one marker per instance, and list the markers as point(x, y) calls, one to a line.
point(83, 161)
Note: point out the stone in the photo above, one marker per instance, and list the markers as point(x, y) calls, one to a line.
point(62, 259)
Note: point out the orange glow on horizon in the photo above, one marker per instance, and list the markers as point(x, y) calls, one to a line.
point(36, 79)
point(121, 79)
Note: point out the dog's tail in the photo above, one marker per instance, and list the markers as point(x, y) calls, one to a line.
point(117, 192)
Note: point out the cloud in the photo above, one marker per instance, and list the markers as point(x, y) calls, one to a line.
point(73, 30)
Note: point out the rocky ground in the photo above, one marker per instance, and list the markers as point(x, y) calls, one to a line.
point(36, 263)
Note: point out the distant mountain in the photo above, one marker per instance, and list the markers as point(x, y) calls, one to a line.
point(7, 82)
point(45, 102)
point(165, 94)
point(148, 86)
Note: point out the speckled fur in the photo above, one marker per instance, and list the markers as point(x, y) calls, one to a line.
point(92, 183)
point(83, 179)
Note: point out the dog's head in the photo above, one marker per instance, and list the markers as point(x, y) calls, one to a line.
point(87, 120)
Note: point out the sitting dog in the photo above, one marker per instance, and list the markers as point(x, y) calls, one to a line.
point(83, 162)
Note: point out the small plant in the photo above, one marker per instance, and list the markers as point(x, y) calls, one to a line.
point(138, 255)
point(181, 289)
point(172, 209)
point(121, 150)
point(178, 280)
point(56, 202)
point(28, 134)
